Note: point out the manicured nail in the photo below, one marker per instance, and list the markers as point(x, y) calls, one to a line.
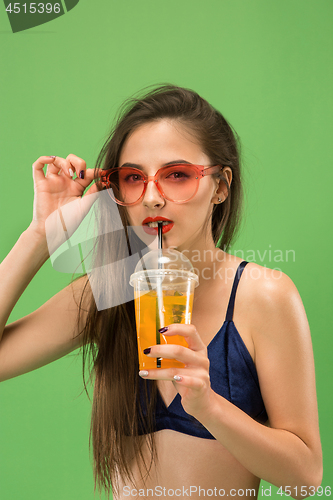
point(178, 378)
point(81, 175)
point(71, 173)
point(52, 157)
point(143, 373)
point(146, 351)
point(164, 329)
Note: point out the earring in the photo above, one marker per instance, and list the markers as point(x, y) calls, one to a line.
point(220, 200)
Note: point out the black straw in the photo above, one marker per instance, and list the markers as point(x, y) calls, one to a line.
point(160, 225)
point(158, 325)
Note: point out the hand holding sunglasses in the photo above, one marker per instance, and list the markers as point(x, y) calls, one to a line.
point(57, 188)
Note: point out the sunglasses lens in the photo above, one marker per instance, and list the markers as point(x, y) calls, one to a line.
point(178, 182)
point(127, 184)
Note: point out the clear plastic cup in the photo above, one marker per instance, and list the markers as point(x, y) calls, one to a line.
point(164, 283)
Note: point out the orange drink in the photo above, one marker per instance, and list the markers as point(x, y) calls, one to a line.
point(164, 284)
point(177, 308)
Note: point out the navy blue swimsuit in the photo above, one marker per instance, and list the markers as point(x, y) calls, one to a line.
point(233, 375)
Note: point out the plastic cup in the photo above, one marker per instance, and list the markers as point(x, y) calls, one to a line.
point(164, 283)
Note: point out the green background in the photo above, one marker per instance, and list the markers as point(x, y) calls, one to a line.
point(267, 65)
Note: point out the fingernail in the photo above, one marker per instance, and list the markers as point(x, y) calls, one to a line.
point(146, 351)
point(178, 378)
point(52, 156)
point(164, 329)
point(71, 173)
point(143, 373)
point(81, 175)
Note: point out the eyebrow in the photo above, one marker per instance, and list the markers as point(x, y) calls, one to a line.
point(175, 162)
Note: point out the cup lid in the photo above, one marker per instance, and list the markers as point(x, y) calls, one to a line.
point(167, 261)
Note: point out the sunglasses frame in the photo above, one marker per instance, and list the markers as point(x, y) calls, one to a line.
point(201, 171)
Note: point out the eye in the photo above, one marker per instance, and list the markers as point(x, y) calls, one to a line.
point(131, 177)
point(177, 175)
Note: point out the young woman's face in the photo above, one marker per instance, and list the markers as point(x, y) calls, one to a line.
point(151, 146)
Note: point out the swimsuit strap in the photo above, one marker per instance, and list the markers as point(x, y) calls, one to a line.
point(230, 310)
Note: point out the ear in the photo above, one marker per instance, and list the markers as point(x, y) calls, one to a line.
point(221, 192)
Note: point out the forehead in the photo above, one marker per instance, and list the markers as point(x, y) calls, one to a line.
point(160, 142)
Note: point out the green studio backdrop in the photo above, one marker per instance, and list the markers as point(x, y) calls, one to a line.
point(267, 66)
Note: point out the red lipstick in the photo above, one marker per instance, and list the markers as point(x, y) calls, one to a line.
point(154, 230)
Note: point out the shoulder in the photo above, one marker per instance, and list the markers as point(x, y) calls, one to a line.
point(269, 302)
point(275, 311)
point(270, 288)
point(259, 285)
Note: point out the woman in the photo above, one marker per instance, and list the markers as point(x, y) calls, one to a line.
point(244, 407)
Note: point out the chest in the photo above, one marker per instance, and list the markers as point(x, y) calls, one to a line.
point(208, 314)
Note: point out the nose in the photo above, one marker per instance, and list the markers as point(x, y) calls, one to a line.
point(152, 196)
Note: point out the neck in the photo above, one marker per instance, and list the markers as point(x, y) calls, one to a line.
point(206, 260)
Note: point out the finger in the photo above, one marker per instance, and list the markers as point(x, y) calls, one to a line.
point(90, 175)
point(38, 166)
point(160, 373)
point(59, 166)
point(189, 332)
point(194, 383)
point(180, 353)
point(171, 373)
point(78, 165)
point(87, 177)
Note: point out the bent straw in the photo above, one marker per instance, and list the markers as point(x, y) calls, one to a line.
point(159, 302)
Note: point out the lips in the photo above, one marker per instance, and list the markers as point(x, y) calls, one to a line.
point(154, 230)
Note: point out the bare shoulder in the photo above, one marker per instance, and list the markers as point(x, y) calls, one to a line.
point(262, 276)
point(272, 299)
point(263, 296)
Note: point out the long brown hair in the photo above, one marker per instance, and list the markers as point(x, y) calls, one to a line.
point(109, 335)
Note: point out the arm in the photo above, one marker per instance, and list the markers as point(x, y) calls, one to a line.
point(48, 333)
point(17, 270)
point(288, 453)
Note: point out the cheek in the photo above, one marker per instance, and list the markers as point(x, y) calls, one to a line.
point(203, 199)
point(195, 215)
point(132, 219)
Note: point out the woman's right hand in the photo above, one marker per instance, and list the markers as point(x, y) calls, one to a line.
point(57, 188)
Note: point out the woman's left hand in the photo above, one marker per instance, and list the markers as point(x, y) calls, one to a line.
point(192, 382)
